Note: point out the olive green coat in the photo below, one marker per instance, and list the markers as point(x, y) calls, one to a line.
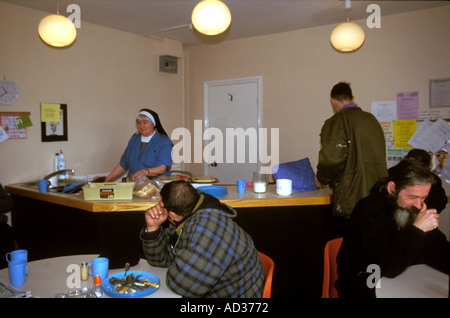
point(352, 157)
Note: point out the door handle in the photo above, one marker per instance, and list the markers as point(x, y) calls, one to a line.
point(214, 164)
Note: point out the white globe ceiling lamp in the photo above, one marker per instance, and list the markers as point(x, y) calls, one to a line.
point(211, 17)
point(57, 30)
point(347, 36)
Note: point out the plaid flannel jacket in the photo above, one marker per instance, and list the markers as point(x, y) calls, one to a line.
point(211, 257)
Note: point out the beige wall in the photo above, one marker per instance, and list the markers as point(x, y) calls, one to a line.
point(300, 67)
point(105, 77)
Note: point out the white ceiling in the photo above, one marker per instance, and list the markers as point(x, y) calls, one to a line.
point(171, 18)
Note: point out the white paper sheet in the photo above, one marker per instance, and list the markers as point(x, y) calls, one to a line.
point(3, 135)
point(431, 137)
point(385, 111)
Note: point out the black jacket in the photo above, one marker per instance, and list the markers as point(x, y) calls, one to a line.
point(437, 199)
point(372, 237)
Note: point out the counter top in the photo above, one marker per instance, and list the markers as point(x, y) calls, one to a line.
point(249, 199)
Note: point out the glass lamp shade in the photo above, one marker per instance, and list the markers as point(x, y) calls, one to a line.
point(211, 17)
point(347, 37)
point(57, 30)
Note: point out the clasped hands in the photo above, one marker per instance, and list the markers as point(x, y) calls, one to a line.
point(427, 219)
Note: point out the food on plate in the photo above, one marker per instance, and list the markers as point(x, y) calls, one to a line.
point(167, 179)
point(130, 284)
point(146, 191)
point(203, 179)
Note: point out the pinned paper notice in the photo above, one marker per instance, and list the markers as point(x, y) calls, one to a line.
point(23, 122)
point(388, 130)
point(432, 136)
point(50, 112)
point(403, 131)
point(3, 135)
point(385, 111)
point(408, 105)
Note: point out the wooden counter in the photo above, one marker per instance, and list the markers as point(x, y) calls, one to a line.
point(249, 199)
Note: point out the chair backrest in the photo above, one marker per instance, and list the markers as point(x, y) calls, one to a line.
point(330, 268)
point(268, 265)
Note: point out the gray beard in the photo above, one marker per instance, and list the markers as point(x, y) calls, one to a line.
point(404, 217)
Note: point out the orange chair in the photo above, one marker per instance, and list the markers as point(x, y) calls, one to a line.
point(330, 268)
point(268, 265)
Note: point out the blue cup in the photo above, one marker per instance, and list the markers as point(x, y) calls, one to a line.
point(99, 266)
point(18, 271)
point(241, 186)
point(17, 255)
point(43, 185)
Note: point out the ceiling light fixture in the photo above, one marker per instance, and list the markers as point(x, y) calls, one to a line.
point(211, 17)
point(57, 30)
point(347, 36)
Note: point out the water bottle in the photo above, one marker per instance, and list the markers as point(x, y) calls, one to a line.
point(62, 164)
point(56, 162)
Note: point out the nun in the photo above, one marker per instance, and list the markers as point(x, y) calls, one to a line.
point(149, 151)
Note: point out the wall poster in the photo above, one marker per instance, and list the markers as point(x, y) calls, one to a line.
point(53, 122)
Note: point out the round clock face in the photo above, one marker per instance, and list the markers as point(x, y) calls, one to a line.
point(8, 92)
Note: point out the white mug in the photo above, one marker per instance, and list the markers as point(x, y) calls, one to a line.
point(284, 186)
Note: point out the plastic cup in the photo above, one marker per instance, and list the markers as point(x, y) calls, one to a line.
point(240, 186)
point(18, 271)
point(17, 255)
point(43, 185)
point(100, 266)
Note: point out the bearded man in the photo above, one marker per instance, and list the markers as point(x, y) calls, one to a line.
point(392, 228)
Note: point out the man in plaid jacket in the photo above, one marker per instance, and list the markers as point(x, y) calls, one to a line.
point(206, 252)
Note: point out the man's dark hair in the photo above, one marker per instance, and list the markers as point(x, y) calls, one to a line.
point(420, 155)
point(341, 92)
point(406, 173)
point(179, 197)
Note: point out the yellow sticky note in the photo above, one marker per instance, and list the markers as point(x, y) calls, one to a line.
point(50, 112)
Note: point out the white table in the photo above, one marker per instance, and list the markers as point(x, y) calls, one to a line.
point(48, 277)
point(418, 281)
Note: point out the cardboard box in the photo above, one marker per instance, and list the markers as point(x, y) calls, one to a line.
point(108, 191)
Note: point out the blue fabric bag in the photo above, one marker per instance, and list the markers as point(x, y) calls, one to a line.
point(300, 172)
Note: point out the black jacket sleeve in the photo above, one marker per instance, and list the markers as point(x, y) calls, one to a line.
point(6, 201)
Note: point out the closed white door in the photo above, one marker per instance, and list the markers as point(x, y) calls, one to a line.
point(232, 122)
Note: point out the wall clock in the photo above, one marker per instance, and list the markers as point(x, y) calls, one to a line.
point(8, 92)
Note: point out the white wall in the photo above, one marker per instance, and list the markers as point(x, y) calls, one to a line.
point(105, 77)
point(300, 67)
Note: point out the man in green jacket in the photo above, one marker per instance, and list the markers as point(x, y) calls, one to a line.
point(353, 152)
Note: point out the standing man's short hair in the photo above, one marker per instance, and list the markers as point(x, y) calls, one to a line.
point(341, 92)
